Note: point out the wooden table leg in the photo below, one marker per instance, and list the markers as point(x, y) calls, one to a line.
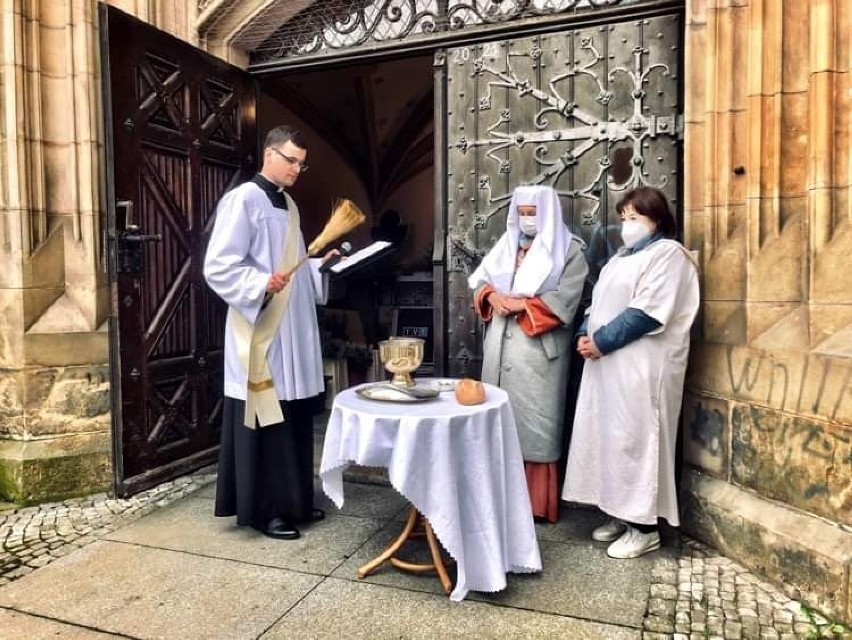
point(408, 532)
point(374, 564)
point(435, 548)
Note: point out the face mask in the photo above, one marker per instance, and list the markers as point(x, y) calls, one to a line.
point(527, 225)
point(632, 232)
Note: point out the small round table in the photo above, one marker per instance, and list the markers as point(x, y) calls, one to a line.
point(459, 466)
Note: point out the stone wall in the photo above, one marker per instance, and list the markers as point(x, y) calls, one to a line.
point(54, 382)
point(768, 412)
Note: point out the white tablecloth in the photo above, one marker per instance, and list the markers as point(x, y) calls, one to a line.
point(460, 466)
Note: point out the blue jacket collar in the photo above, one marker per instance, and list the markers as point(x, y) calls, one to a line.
point(644, 242)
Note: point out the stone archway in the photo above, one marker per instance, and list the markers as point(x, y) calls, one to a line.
point(224, 27)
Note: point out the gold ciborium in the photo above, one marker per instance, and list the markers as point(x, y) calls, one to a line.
point(401, 356)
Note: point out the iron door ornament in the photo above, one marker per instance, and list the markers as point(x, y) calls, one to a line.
point(592, 112)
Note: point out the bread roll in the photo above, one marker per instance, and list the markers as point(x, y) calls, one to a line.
point(470, 391)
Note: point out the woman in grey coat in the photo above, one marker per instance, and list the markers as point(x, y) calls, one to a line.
point(527, 289)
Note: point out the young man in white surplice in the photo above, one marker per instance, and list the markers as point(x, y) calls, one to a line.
point(273, 361)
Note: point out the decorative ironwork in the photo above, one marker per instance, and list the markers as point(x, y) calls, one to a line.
point(589, 134)
point(334, 25)
point(592, 112)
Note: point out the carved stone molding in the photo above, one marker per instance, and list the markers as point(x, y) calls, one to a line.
point(50, 209)
point(768, 167)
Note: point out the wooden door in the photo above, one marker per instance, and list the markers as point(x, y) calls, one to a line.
point(592, 112)
point(180, 131)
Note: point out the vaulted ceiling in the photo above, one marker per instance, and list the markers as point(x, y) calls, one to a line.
point(378, 117)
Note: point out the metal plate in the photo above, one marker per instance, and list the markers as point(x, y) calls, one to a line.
point(384, 392)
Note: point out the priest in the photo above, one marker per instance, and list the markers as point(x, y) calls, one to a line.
point(273, 362)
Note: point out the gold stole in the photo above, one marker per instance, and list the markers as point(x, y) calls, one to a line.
point(253, 340)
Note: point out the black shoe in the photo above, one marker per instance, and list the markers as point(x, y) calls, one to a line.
point(315, 515)
point(281, 529)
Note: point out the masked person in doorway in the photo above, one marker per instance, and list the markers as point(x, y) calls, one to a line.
point(273, 361)
point(635, 341)
point(527, 289)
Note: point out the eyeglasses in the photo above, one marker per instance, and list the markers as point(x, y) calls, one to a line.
point(291, 160)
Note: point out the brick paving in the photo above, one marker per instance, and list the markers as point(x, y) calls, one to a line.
point(700, 595)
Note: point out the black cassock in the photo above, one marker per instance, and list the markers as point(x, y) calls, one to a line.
point(266, 472)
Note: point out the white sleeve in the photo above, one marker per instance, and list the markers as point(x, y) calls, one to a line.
point(227, 269)
point(320, 283)
point(658, 291)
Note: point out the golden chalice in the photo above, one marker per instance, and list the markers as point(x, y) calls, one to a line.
point(401, 356)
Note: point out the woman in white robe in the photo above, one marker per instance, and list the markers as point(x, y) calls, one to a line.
point(528, 288)
point(636, 342)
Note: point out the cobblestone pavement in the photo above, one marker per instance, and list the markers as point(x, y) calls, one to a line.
point(698, 595)
point(31, 537)
point(703, 595)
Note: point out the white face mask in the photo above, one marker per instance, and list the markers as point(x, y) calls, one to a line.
point(527, 225)
point(632, 232)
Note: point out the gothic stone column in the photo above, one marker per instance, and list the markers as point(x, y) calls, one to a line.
point(54, 392)
point(54, 378)
point(768, 411)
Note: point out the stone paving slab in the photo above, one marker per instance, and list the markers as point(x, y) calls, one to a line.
point(581, 581)
point(367, 501)
point(189, 526)
point(208, 491)
point(33, 537)
point(693, 593)
point(574, 524)
point(21, 626)
point(578, 580)
point(153, 593)
point(353, 610)
point(387, 575)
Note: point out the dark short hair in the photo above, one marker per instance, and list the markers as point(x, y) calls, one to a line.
point(651, 203)
point(282, 134)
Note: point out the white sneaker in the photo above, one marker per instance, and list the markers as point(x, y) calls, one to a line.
point(633, 543)
point(609, 530)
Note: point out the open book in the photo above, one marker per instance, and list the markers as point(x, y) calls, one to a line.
point(361, 256)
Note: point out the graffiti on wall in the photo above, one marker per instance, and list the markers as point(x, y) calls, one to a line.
point(803, 462)
point(707, 428)
point(777, 423)
point(798, 383)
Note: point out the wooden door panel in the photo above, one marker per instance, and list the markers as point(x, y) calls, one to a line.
point(181, 132)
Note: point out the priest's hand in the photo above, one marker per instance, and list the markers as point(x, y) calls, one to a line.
point(277, 281)
point(331, 254)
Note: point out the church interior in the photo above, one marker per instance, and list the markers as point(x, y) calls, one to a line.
point(370, 134)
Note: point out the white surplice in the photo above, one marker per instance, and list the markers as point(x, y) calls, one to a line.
point(245, 248)
point(622, 453)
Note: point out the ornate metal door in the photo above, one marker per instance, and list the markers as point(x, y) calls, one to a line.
point(592, 112)
point(180, 130)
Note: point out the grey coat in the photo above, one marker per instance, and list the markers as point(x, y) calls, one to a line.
point(534, 371)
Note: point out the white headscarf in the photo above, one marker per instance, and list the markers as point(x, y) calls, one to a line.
point(545, 259)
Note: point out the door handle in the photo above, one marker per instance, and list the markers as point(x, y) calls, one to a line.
point(128, 239)
point(126, 221)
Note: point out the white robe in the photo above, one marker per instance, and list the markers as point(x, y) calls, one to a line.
point(622, 453)
point(245, 248)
